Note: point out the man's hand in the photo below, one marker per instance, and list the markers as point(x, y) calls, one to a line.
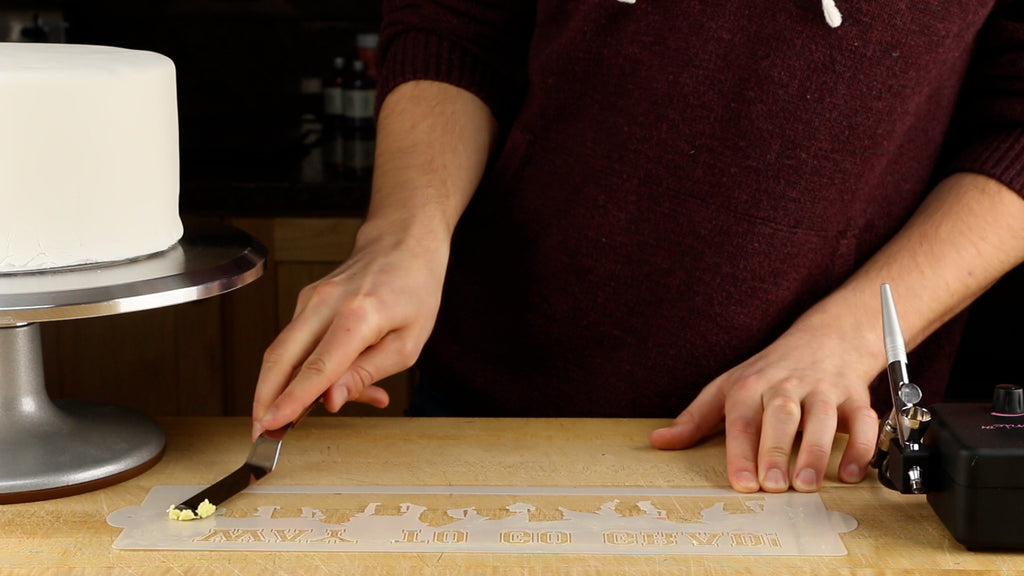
point(805, 381)
point(966, 234)
point(371, 317)
point(365, 321)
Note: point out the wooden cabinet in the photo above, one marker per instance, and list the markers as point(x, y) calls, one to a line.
point(202, 358)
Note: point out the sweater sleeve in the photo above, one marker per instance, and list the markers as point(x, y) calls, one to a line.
point(478, 45)
point(988, 133)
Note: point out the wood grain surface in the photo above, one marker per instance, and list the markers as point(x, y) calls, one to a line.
point(897, 534)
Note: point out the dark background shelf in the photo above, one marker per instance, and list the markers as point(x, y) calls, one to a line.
point(239, 66)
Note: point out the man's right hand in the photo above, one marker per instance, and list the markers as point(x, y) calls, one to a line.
point(370, 318)
point(365, 321)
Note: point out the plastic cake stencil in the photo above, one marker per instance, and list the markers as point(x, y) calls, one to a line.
point(489, 519)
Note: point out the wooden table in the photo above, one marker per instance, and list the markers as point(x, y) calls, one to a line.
point(897, 534)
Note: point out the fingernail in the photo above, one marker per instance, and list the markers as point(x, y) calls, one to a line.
point(268, 417)
point(747, 481)
point(806, 479)
point(852, 473)
point(774, 479)
point(341, 386)
point(257, 429)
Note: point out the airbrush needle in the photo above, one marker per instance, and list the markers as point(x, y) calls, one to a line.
point(903, 390)
point(895, 346)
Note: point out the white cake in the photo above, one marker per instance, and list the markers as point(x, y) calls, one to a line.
point(88, 155)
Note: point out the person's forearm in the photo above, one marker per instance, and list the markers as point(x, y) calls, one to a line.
point(965, 236)
point(370, 317)
point(815, 376)
point(433, 141)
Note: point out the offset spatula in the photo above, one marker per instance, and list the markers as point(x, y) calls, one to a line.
point(261, 461)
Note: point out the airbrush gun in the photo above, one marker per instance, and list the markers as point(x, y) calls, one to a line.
point(901, 457)
point(967, 457)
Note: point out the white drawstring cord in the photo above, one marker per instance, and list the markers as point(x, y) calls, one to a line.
point(832, 15)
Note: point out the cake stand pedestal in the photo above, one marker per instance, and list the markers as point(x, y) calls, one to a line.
point(51, 449)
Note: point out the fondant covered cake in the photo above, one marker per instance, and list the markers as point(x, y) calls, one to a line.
point(88, 155)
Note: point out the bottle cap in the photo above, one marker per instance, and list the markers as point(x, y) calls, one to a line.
point(366, 40)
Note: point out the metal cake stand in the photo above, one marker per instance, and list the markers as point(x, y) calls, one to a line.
point(51, 449)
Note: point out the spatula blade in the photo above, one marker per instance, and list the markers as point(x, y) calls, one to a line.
point(261, 461)
point(223, 489)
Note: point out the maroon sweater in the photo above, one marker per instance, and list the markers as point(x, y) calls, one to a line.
point(678, 181)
